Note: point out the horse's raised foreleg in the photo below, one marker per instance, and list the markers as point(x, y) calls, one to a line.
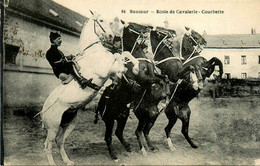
point(67, 126)
point(171, 122)
point(121, 122)
point(210, 66)
point(138, 133)
point(108, 138)
point(185, 118)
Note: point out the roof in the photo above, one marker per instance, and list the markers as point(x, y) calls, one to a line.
point(233, 41)
point(50, 12)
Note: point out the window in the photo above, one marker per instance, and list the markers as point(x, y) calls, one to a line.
point(243, 59)
point(243, 75)
point(258, 59)
point(226, 60)
point(224, 42)
point(228, 75)
point(11, 52)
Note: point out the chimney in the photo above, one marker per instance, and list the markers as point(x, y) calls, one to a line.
point(253, 31)
point(166, 23)
point(204, 33)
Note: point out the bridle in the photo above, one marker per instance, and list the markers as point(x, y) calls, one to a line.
point(140, 39)
point(196, 46)
point(168, 43)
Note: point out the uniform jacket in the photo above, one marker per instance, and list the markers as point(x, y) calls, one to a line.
point(58, 61)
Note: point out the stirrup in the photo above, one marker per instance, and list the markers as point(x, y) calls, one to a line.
point(84, 82)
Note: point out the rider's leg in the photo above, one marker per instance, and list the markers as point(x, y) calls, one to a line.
point(81, 80)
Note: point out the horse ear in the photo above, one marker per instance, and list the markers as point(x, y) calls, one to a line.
point(187, 28)
point(125, 24)
point(188, 31)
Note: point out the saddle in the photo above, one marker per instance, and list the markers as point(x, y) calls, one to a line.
point(66, 78)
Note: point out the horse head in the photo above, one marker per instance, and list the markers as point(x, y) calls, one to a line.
point(162, 41)
point(158, 91)
point(166, 51)
point(135, 38)
point(192, 44)
point(95, 29)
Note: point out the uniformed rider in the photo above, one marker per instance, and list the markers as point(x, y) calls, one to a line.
point(63, 66)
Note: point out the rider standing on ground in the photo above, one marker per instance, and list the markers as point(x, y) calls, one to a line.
point(63, 66)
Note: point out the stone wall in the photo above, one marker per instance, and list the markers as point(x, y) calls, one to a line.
point(28, 78)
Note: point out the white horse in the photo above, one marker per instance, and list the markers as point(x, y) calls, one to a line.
point(95, 62)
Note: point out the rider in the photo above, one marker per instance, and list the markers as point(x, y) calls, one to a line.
point(117, 48)
point(63, 66)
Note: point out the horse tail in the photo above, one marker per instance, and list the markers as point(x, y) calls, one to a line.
point(49, 106)
point(220, 64)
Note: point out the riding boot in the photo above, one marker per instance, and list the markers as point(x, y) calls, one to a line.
point(83, 82)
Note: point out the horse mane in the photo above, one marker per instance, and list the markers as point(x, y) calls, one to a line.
point(162, 29)
point(138, 27)
point(130, 34)
point(88, 35)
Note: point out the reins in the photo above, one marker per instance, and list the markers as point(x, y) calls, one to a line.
point(159, 45)
point(140, 100)
point(175, 89)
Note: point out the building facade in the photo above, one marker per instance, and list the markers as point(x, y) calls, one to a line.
point(239, 53)
point(27, 76)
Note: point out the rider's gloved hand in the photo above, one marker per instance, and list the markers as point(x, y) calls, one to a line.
point(70, 57)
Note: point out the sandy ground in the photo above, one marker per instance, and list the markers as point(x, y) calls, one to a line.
point(227, 131)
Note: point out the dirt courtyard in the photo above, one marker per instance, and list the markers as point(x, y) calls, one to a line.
point(227, 131)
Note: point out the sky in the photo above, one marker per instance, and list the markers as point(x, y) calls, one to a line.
point(233, 17)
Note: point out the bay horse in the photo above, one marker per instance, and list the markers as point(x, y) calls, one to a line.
point(182, 92)
point(147, 110)
point(59, 112)
point(143, 87)
point(172, 66)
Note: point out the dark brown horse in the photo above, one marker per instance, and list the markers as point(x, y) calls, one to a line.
point(185, 89)
point(165, 48)
point(144, 87)
point(146, 110)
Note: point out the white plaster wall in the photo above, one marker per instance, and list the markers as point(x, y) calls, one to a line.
point(26, 84)
point(235, 68)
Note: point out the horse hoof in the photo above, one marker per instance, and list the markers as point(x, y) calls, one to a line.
point(152, 148)
point(172, 149)
point(116, 160)
point(143, 152)
point(130, 154)
point(70, 163)
point(194, 146)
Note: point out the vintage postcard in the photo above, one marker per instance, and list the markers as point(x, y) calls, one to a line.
point(117, 82)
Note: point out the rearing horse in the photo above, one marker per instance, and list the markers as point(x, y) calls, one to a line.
point(146, 110)
point(184, 91)
point(142, 87)
point(59, 112)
